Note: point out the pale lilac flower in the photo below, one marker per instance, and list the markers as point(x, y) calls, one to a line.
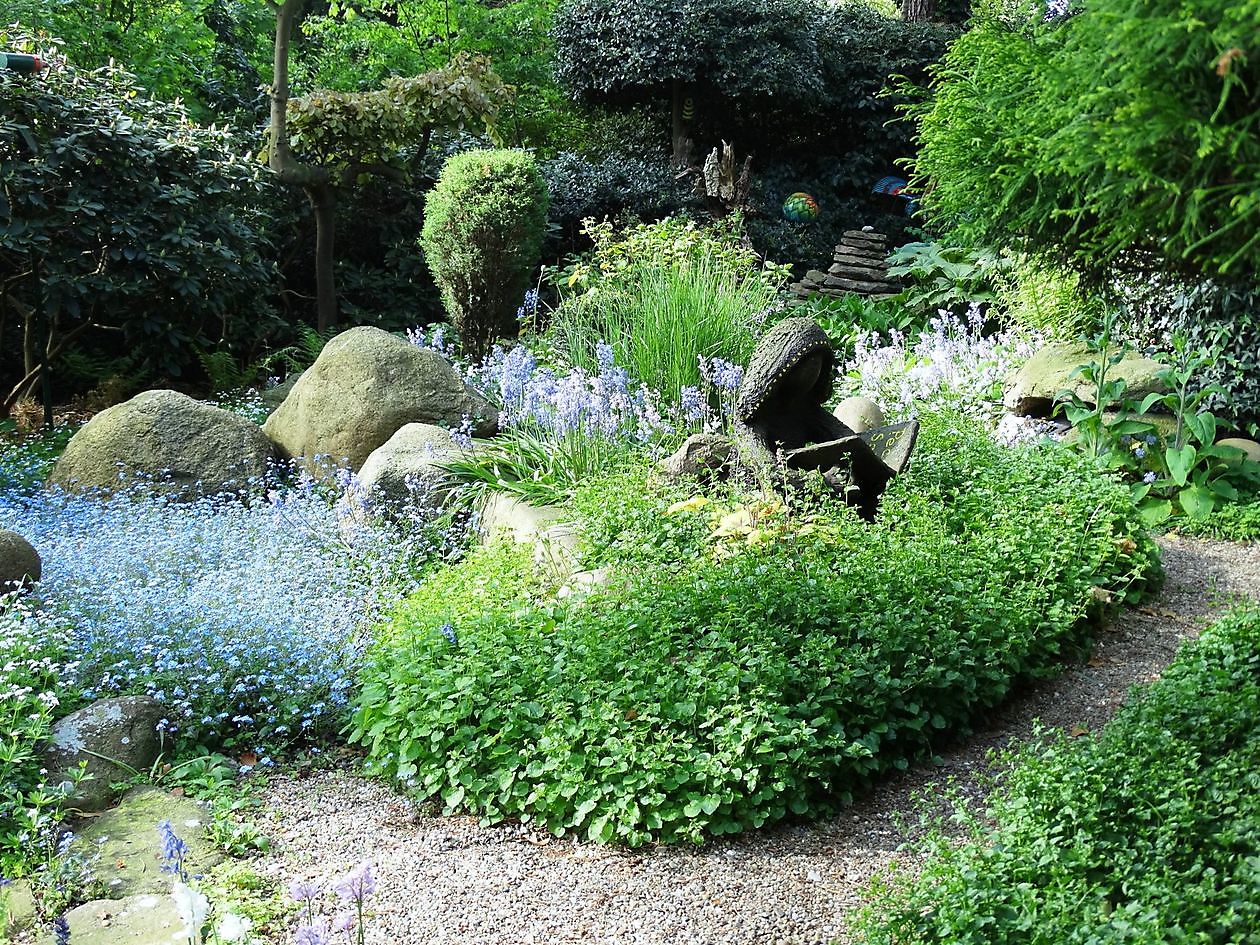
point(303, 890)
point(358, 885)
point(312, 933)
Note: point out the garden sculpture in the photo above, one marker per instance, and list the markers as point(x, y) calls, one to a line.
point(781, 420)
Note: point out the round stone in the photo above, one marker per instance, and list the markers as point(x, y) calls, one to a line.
point(19, 562)
point(859, 414)
point(1250, 447)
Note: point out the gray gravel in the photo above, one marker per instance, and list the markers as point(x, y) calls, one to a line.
point(448, 880)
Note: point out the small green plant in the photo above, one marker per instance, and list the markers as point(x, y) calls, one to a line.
point(849, 316)
point(541, 467)
point(948, 277)
point(1146, 833)
point(483, 229)
point(1180, 473)
point(1234, 522)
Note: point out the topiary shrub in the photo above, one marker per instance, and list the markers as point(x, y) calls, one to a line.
point(769, 667)
point(483, 231)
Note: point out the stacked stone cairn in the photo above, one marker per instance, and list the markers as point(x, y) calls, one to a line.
point(860, 266)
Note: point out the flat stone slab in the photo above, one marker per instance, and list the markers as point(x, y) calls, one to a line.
point(148, 919)
point(124, 841)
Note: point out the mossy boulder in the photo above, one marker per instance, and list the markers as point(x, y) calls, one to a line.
point(127, 848)
point(362, 389)
point(147, 919)
point(1033, 389)
point(112, 739)
point(183, 447)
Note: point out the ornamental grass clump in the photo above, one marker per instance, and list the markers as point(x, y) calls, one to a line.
point(666, 296)
point(746, 660)
point(1149, 832)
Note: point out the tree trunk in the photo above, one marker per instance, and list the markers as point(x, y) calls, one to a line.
point(324, 203)
point(918, 11)
point(316, 181)
point(680, 122)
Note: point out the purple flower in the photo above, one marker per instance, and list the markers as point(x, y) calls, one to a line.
point(1149, 478)
point(692, 404)
point(358, 885)
point(314, 933)
point(61, 930)
point(303, 890)
point(173, 850)
point(448, 631)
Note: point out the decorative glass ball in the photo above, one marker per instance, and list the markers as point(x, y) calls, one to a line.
point(800, 207)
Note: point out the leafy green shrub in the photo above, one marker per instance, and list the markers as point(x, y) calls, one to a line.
point(1123, 127)
point(730, 677)
point(940, 276)
point(1151, 833)
point(1236, 522)
point(608, 186)
point(483, 229)
point(149, 232)
point(1225, 320)
point(32, 663)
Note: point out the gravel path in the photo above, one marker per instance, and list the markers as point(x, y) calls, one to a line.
point(447, 880)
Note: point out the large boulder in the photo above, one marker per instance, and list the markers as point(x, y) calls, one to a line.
point(187, 448)
point(113, 738)
point(19, 562)
point(366, 385)
point(407, 466)
point(149, 919)
point(1032, 390)
point(508, 515)
point(1250, 448)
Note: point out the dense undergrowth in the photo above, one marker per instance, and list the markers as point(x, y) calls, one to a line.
point(1150, 833)
point(729, 677)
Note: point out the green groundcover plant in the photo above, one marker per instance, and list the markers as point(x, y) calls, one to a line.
point(1150, 833)
point(747, 660)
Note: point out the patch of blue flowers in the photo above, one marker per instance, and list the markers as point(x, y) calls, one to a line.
point(246, 618)
point(608, 404)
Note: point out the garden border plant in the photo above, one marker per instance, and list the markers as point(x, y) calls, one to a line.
point(746, 666)
point(1150, 832)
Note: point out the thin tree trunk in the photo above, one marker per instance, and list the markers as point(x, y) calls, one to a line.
point(918, 11)
point(316, 181)
point(324, 203)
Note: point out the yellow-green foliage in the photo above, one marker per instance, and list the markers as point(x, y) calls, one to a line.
point(367, 126)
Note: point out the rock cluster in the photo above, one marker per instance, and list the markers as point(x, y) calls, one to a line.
point(365, 386)
point(860, 266)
